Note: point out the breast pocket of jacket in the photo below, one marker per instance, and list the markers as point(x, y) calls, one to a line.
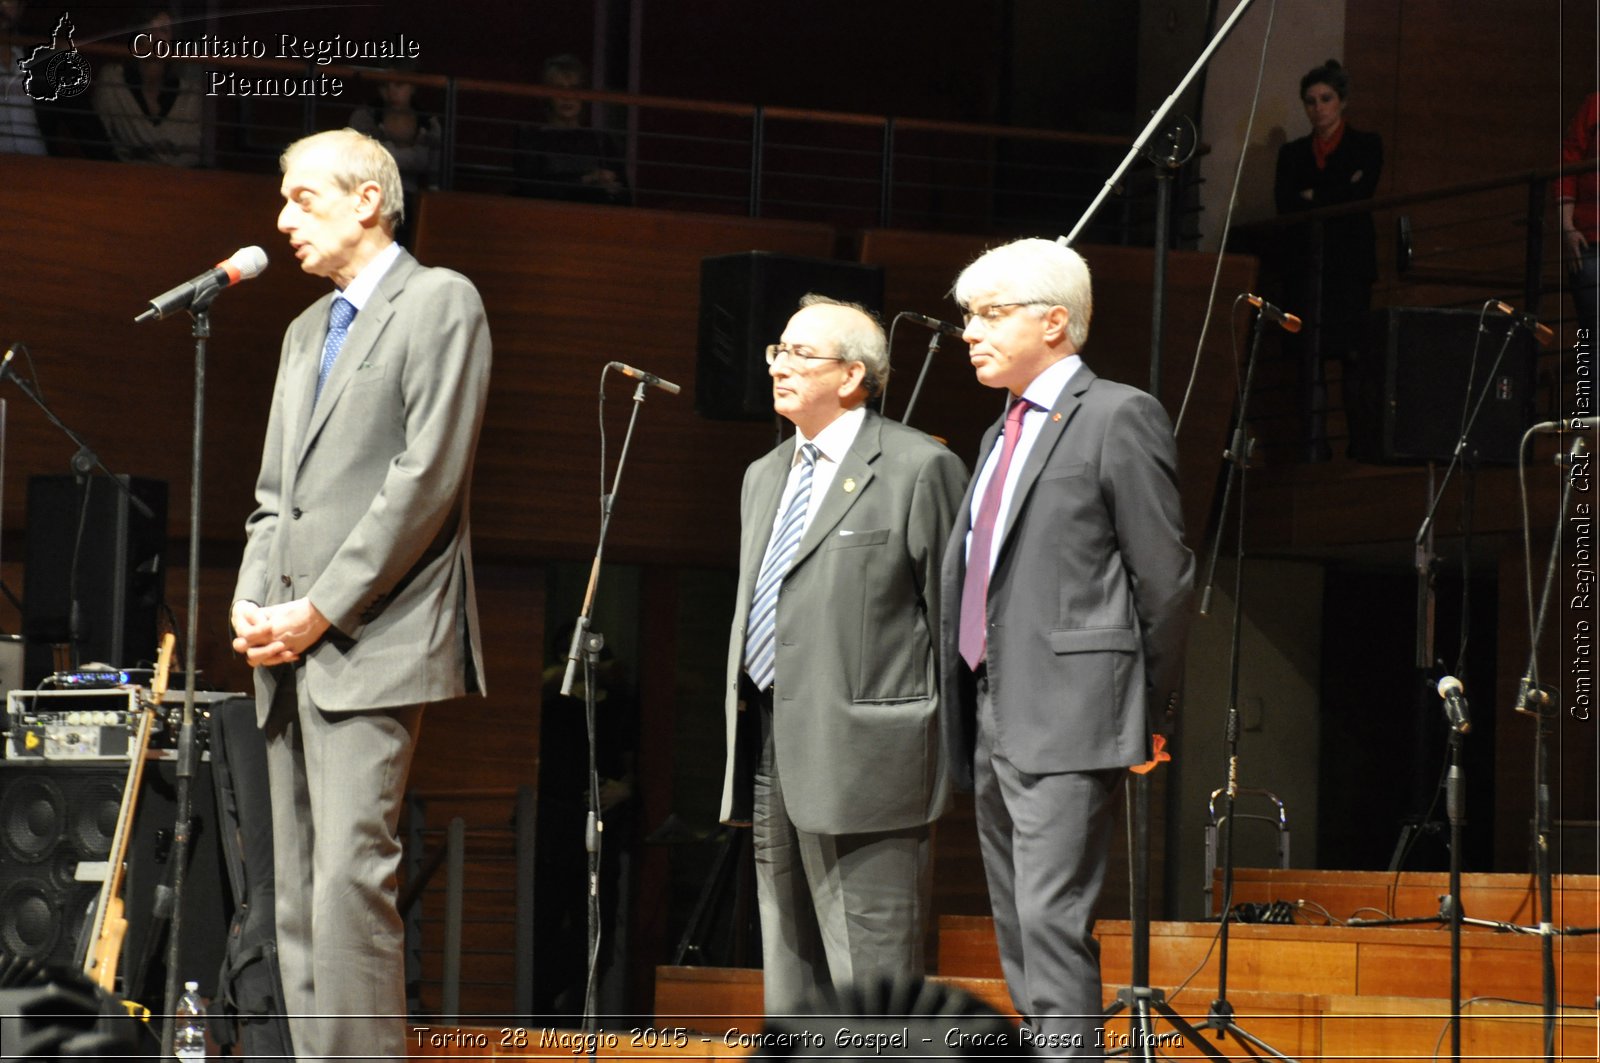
point(1065, 472)
point(850, 538)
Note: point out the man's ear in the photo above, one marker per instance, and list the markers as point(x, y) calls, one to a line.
point(369, 202)
point(856, 378)
point(1056, 320)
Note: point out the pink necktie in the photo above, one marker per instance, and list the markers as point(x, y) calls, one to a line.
point(975, 590)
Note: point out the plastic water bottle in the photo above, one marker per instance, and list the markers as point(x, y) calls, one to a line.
point(189, 1025)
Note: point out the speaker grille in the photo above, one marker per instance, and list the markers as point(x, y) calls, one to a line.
point(53, 816)
point(33, 814)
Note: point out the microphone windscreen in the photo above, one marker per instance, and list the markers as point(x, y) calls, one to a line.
point(249, 261)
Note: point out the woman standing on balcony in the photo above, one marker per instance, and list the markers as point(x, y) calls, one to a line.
point(1333, 165)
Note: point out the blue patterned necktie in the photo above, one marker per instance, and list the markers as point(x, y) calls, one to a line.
point(344, 312)
point(760, 644)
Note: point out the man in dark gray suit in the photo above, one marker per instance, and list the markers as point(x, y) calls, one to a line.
point(355, 599)
point(833, 708)
point(1066, 587)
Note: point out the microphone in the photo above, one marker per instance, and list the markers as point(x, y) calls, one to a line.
point(1455, 706)
point(649, 378)
point(942, 327)
point(245, 263)
point(5, 363)
point(1541, 332)
point(1287, 321)
point(1570, 424)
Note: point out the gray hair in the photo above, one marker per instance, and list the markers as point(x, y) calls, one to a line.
point(1034, 271)
point(355, 159)
point(862, 341)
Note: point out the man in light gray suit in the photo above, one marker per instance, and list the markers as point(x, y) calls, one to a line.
point(833, 707)
point(355, 599)
point(1066, 588)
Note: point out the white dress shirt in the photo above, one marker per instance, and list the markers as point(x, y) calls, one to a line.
point(1042, 394)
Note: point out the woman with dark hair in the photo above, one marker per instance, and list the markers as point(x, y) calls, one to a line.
point(151, 108)
point(1331, 265)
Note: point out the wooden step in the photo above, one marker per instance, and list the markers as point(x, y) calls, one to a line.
point(1344, 895)
point(1324, 1026)
point(1377, 961)
point(1305, 1027)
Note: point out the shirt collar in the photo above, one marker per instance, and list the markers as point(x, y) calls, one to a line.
point(835, 440)
point(1046, 388)
point(358, 291)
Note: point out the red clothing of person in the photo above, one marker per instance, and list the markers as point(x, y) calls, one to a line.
point(1321, 149)
point(1580, 143)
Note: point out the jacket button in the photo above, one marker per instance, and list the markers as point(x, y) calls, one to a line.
point(286, 580)
point(295, 513)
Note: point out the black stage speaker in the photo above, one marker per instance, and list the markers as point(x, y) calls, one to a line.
point(745, 300)
point(207, 900)
point(54, 814)
point(121, 569)
point(1412, 385)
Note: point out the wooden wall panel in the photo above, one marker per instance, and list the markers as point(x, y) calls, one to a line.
point(567, 289)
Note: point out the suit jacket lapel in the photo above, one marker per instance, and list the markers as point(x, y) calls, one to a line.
point(300, 383)
point(771, 475)
point(1055, 426)
point(855, 470)
point(365, 331)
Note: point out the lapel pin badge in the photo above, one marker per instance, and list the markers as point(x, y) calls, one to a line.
point(849, 484)
point(1055, 417)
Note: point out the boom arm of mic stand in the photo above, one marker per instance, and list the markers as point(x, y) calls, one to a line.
point(1461, 443)
point(1156, 120)
point(1237, 456)
point(581, 628)
point(1531, 698)
point(86, 453)
point(927, 361)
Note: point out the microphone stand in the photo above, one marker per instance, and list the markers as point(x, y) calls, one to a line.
point(1220, 1017)
point(927, 361)
point(84, 463)
point(1537, 701)
point(1139, 997)
point(1461, 443)
point(188, 753)
point(586, 645)
point(1155, 122)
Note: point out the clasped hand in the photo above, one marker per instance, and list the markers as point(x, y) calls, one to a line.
point(276, 634)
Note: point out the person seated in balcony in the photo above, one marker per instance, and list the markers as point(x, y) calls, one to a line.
point(564, 157)
point(19, 124)
point(414, 138)
point(1333, 165)
point(151, 108)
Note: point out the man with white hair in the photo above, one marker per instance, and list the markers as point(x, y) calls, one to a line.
point(1066, 586)
point(355, 601)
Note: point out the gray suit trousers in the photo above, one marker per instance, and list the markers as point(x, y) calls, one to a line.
point(835, 908)
point(337, 783)
point(1045, 841)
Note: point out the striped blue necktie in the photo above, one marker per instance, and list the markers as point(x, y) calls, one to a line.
point(760, 644)
point(344, 312)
